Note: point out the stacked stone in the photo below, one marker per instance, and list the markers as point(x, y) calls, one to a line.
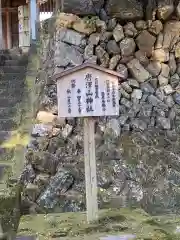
point(123, 10)
point(147, 54)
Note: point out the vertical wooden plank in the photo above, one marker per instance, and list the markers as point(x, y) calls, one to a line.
point(57, 5)
point(9, 40)
point(1, 230)
point(4, 25)
point(90, 169)
point(38, 21)
point(8, 22)
point(37, 12)
point(1, 30)
point(33, 16)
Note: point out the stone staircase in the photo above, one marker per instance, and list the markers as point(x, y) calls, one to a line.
point(12, 85)
point(13, 66)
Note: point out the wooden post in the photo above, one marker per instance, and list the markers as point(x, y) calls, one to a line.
point(37, 21)
point(9, 40)
point(33, 16)
point(58, 5)
point(1, 231)
point(90, 170)
point(88, 91)
point(37, 12)
point(1, 30)
point(8, 25)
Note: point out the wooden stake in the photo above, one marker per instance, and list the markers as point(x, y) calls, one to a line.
point(1, 29)
point(90, 170)
point(33, 16)
point(8, 19)
point(8, 22)
point(1, 230)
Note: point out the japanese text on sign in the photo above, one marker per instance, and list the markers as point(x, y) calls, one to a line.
point(88, 92)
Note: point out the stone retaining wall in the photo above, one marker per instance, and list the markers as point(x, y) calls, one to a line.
point(137, 152)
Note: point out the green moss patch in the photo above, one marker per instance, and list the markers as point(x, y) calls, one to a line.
point(112, 221)
point(9, 208)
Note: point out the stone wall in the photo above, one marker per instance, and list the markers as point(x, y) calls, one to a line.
point(137, 152)
point(123, 10)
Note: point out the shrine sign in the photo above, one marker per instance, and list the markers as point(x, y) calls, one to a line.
point(88, 91)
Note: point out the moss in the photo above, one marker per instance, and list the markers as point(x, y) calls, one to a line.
point(90, 21)
point(111, 221)
point(10, 208)
point(17, 138)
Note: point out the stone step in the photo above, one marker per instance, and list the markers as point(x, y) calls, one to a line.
point(12, 84)
point(6, 112)
point(15, 51)
point(3, 168)
point(6, 154)
point(9, 74)
point(12, 69)
point(12, 88)
point(8, 124)
point(4, 60)
point(24, 59)
point(4, 55)
point(11, 54)
point(6, 93)
point(12, 76)
point(4, 135)
point(7, 56)
point(10, 101)
point(14, 62)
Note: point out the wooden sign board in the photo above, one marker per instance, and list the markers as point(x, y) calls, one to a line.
point(88, 91)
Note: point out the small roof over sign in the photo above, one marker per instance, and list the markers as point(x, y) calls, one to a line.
point(87, 65)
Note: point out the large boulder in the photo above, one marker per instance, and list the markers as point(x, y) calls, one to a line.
point(65, 20)
point(70, 36)
point(59, 183)
point(171, 34)
point(165, 9)
point(145, 42)
point(66, 54)
point(81, 7)
point(125, 10)
point(138, 71)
